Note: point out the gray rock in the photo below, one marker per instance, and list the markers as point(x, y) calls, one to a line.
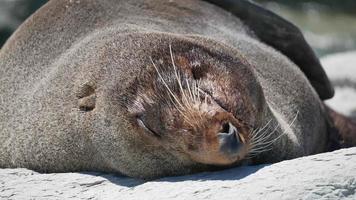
point(324, 176)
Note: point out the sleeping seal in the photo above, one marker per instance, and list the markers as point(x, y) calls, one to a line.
point(150, 88)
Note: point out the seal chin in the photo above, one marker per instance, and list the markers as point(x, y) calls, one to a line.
point(228, 153)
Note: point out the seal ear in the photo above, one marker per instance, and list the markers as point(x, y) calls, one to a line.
point(86, 97)
point(283, 36)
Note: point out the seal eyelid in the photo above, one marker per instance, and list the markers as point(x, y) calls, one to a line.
point(143, 125)
point(216, 100)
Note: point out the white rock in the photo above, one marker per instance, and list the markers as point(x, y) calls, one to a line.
point(324, 176)
point(340, 65)
point(341, 69)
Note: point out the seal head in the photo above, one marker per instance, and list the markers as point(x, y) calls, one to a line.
point(192, 103)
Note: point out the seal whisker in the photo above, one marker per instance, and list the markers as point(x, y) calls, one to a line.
point(165, 84)
point(260, 149)
point(206, 99)
point(178, 78)
point(263, 137)
point(189, 90)
point(186, 104)
point(176, 100)
point(267, 135)
point(264, 146)
point(255, 134)
point(258, 137)
point(196, 91)
point(255, 153)
point(284, 132)
point(257, 131)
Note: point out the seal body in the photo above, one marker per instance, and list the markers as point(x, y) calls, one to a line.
point(142, 88)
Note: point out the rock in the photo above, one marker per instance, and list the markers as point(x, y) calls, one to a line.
point(324, 176)
point(341, 69)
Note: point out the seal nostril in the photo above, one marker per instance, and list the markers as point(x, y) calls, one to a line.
point(229, 143)
point(225, 128)
point(229, 140)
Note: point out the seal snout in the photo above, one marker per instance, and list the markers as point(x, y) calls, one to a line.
point(230, 140)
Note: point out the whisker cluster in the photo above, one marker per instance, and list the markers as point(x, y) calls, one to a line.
point(262, 141)
point(189, 96)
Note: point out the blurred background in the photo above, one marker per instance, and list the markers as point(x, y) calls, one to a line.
point(328, 25)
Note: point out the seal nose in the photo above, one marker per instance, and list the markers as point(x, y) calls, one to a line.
point(229, 140)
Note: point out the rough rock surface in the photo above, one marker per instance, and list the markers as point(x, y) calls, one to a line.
point(324, 176)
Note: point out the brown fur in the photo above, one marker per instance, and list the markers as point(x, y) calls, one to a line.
point(343, 129)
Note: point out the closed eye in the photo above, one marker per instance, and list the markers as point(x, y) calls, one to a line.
point(217, 101)
point(143, 125)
